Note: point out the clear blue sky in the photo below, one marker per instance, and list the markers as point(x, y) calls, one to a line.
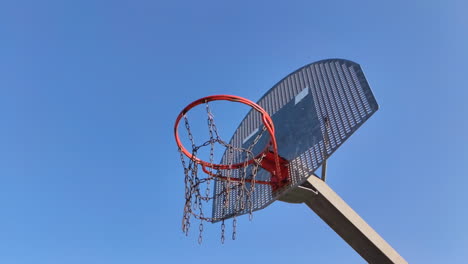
point(89, 91)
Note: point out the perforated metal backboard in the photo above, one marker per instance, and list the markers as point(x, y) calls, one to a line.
point(314, 110)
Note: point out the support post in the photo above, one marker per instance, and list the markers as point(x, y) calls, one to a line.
point(319, 197)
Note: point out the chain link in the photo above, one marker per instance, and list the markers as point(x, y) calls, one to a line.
point(234, 228)
point(200, 236)
point(211, 127)
point(223, 228)
point(237, 197)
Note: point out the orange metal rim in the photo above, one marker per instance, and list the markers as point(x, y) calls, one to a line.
point(267, 121)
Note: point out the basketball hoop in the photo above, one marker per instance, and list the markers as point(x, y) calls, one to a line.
point(237, 174)
point(315, 109)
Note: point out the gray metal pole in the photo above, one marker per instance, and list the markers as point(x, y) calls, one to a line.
point(319, 197)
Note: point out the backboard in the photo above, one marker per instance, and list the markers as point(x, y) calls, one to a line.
point(314, 109)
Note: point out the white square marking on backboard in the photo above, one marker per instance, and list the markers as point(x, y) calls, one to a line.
point(301, 95)
point(250, 135)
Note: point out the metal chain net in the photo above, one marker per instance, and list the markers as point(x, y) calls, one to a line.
point(197, 186)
